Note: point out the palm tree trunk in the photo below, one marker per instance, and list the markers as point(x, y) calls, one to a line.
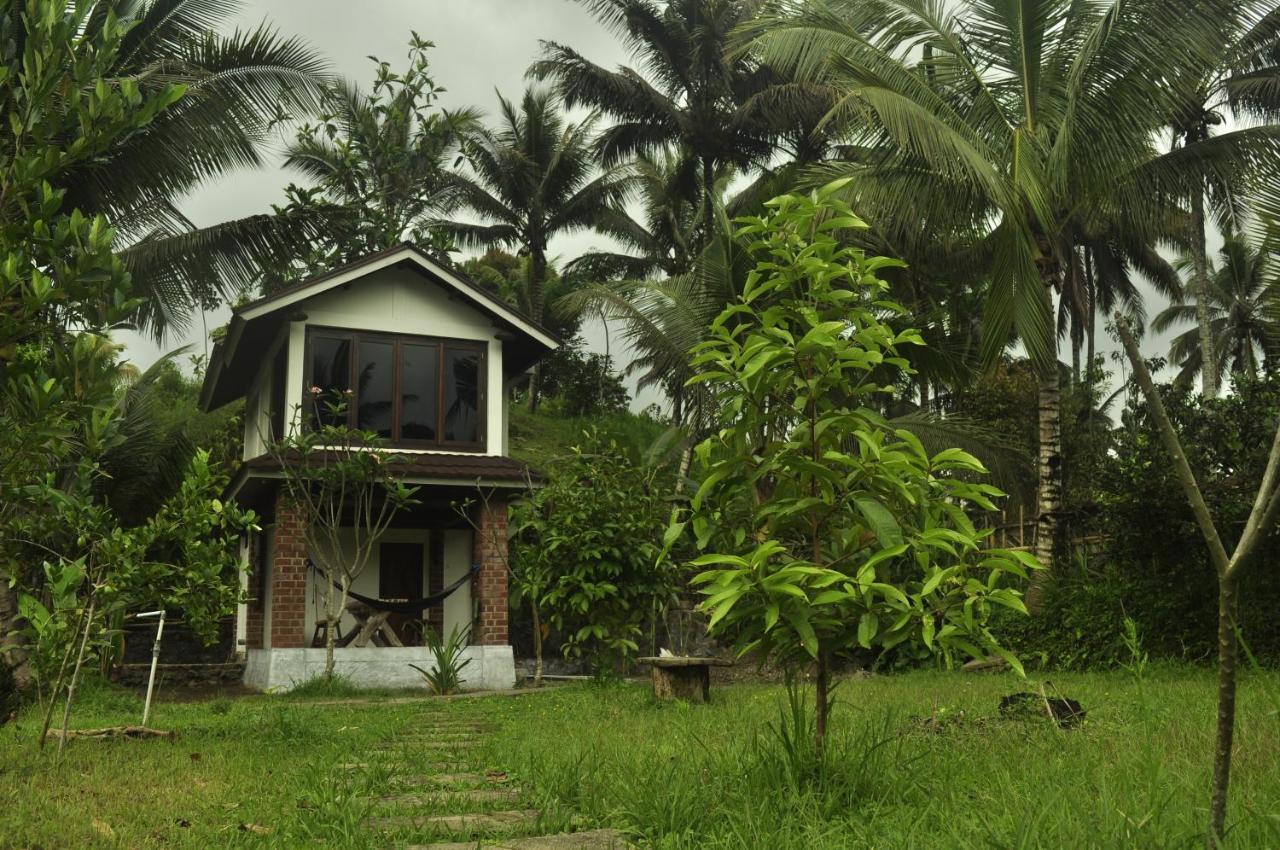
point(925, 398)
point(537, 283)
point(1049, 466)
point(1200, 271)
point(708, 200)
point(1076, 344)
point(1091, 327)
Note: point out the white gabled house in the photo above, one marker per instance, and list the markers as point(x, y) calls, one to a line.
point(429, 357)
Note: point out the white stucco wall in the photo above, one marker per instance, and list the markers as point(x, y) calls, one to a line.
point(401, 302)
point(489, 668)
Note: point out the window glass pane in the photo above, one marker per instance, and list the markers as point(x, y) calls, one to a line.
point(461, 395)
point(331, 373)
point(419, 391)
point(375, 382)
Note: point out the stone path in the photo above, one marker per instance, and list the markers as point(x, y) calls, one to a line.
point(440, 797)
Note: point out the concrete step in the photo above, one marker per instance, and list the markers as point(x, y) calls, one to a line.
point(595, 839)
point(473, 823)
point(451, 797)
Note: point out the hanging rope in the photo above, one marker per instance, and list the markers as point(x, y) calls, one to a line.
point(412, 606)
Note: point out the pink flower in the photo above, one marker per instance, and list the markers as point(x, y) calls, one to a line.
point(348, 391)
point(316, 391)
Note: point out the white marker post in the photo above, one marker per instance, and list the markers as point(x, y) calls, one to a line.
point(155, 659)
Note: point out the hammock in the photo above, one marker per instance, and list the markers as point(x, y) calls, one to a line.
point(412, 606)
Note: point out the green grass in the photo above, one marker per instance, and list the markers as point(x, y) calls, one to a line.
point(918, 760)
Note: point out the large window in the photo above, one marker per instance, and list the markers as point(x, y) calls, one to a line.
point(414, 391)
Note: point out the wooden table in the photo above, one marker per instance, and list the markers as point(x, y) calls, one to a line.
point(372, 626)
point(682, 677)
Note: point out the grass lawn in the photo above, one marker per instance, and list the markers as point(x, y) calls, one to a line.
point(920, 760)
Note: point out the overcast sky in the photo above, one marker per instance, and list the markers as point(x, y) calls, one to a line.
point(481, 46)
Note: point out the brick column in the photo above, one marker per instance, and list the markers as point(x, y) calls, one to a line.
point(288, 578)
point(489, 587)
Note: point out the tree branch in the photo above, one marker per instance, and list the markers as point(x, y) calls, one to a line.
point(1174, 446)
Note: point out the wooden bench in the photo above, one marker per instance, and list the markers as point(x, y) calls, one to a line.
point(681, 677)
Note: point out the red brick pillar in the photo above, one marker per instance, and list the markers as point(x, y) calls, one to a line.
point(288, 578)
point(489, 587)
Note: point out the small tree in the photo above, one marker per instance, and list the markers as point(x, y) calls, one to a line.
point(338, 478)
point(184, 556)
point(61, 285)
point(585, 551)
point(830, 530)
point(1229, 565)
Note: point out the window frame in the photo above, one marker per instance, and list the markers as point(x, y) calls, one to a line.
point(481, 349)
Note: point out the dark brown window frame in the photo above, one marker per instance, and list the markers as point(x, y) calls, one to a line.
point(441, 343)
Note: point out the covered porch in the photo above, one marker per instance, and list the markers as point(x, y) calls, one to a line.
point(429, 549)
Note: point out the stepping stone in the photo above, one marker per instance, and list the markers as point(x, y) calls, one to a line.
point(417, 765)
point(595, 839)
point(468, 823)
point(445, 779)
point(434, 739)
point(451, 797)
point(431, 743)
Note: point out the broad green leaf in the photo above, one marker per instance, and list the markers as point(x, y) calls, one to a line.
point(868, 625)
point(879, 520)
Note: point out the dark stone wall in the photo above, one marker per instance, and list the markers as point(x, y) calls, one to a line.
point(179, 644)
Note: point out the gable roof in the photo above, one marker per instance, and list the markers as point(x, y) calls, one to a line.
point(237, 357)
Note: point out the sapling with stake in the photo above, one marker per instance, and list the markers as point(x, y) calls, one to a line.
point(1229, 567)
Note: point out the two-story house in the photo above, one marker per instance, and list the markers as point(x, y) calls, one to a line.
point(429, 358)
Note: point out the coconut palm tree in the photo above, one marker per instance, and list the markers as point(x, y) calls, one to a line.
point(1243, 83)
point(1102, 275)
point(533, 178)
point(237, 85)
point(663, 318)
point(1244, 291)
point(380, 161)
point(1020, 118)
point(662, 242)
point(690, 92)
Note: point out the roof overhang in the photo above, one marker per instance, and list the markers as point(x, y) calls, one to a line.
point(237, 358)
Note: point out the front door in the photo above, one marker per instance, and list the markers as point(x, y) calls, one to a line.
point(400, 580)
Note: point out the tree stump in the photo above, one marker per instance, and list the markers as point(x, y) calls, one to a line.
point(676, 677)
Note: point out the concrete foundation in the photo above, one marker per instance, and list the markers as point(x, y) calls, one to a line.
point(491, 667)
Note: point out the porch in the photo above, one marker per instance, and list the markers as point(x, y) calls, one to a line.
point(431, 549)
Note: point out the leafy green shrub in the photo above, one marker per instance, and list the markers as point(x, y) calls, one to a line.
point(585, 548)
point(582, 383)
point(1156, 569)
